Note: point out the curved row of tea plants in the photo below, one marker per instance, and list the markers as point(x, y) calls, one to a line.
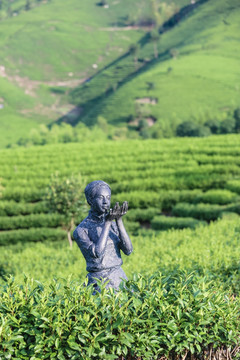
point(209, 250)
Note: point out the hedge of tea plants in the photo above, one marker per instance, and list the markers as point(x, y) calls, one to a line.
point(178, 316)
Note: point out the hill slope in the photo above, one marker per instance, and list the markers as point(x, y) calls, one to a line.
point(196, 75)
point(192, 72)
point(53, 45)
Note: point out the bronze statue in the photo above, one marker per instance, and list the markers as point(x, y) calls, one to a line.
point(101, 236)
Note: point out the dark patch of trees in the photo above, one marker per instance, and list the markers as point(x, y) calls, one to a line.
point(188, 128)
point(213, 126)
point(102, 3)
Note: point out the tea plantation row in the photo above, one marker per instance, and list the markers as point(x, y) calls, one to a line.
point(189, 180)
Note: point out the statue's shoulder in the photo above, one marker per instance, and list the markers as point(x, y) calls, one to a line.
point(81, 229)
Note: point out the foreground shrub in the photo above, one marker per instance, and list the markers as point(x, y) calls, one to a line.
point(181, 315)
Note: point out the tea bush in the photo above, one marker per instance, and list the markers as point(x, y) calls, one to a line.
point(31, 234)
point(165, 222)
point(142, 214)
point(160, 316)
point(199, 211)
point(234, 208)
point(234, 185)
point(27, 194)
point(11, 207)
point(30, 221)
point(220, 197)
point(204, 211)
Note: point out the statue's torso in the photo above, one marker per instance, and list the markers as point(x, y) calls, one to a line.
point(87, 234)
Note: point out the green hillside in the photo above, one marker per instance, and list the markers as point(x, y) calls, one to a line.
point(56, 38)
point(72, 58)
point(195, 77)
point(54, 44)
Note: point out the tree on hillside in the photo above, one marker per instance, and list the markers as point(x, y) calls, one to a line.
point(27, 5)
point(102, 3)
point(237, 119)
point(133, 50)
point(8, 5)
point(150, 86)
point(102, 124)
point(66, 197)
point(154, 37)
point(214, 125)
point(188, 128)
point(174, 53)
point(157, 21)
point(155, 13)
point(227, 126)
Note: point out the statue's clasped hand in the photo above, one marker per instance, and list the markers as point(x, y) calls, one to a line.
point(117, 212)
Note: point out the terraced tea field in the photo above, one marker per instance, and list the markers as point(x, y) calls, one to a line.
point(169, 183)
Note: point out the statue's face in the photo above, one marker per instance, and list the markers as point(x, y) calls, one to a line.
point(101, 202)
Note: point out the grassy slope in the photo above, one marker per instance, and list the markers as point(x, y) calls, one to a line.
point(12, 123)
point(54, 39)
point(203, 80)
point(68, 34)
point(45, 45)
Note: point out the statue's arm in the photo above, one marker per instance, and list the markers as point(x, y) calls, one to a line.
point(125, 242)
point(102, 241)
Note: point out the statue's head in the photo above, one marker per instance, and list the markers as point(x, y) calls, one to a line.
point(98, 195)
